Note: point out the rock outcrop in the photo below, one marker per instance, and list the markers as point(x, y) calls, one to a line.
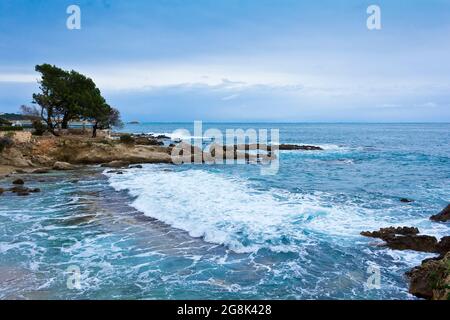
point(442, 216)
point(431, 280)
point(408, 238)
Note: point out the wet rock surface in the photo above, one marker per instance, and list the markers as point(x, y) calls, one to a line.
point(442, 216)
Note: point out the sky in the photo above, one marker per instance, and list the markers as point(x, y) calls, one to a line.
point(238, 60)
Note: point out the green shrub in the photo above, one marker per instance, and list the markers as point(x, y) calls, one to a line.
point(126, 138)
point(11, 128)
point(5, 142)
point(39, 128)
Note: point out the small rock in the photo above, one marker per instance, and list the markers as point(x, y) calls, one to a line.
point(62, 166)
point(34, 190)
point(18, 181)
point(116, 164)
point(442, 216)
point(20, 171)
point(136, 167)
point(40, 171)
point(1, 191)
point(18, 189)
point(115, 171)
point(406, 200)
point(23, 193)
point(74, 181)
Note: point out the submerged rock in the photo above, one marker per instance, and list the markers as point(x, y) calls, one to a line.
point(40, 171)
point(136, 167)
point(431, 280)
point(442, 216)
point(406, 200)
point(18, 182)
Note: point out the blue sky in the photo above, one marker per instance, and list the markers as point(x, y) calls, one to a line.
point(246, 60)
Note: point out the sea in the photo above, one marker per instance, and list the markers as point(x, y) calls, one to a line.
point(227, 231)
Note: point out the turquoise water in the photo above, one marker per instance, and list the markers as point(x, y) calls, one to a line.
point(228, 232)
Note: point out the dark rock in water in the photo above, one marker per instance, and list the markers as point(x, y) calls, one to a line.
point(1, 191)
point(115, 171)
point(297, 147)
point(116, 164)
point(40, 171)
point(444, 245)
point(20, 171)
point(421, 243)
point(74, 181)
point(18, 181)
point(406, 200)
point(391, 231)
point(442, 216)
point(24, 191)
point(404, 238)
point(18, 189)
point(136, 167)
point(431, 280)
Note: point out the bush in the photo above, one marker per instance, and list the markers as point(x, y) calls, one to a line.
point(126, 138)
point(5, 142)
point(39, 128)
point(11, 128)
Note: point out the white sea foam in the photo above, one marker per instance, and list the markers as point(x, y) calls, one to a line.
point(230, 211)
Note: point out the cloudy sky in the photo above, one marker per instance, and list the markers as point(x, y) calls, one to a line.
point(238, 60)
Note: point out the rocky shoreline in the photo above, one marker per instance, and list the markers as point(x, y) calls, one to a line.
point(430, 280)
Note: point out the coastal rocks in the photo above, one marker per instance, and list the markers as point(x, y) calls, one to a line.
point(18, 181)
point(405, 238)
point(391, 231)
point(116, 164)
point(442, 216)
point(431, 280)
point(444, 245)
point(59, 165)
point(147, 141)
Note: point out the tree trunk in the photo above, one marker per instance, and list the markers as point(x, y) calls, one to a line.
point(65, 121)
point(94, 130)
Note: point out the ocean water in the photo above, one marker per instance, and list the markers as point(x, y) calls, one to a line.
point(228, 232)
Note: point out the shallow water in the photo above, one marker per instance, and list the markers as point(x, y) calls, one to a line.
point(225, 231)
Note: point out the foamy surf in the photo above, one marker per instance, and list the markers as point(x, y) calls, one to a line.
point(230, 211)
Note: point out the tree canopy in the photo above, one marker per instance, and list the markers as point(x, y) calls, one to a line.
point(68, 95)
